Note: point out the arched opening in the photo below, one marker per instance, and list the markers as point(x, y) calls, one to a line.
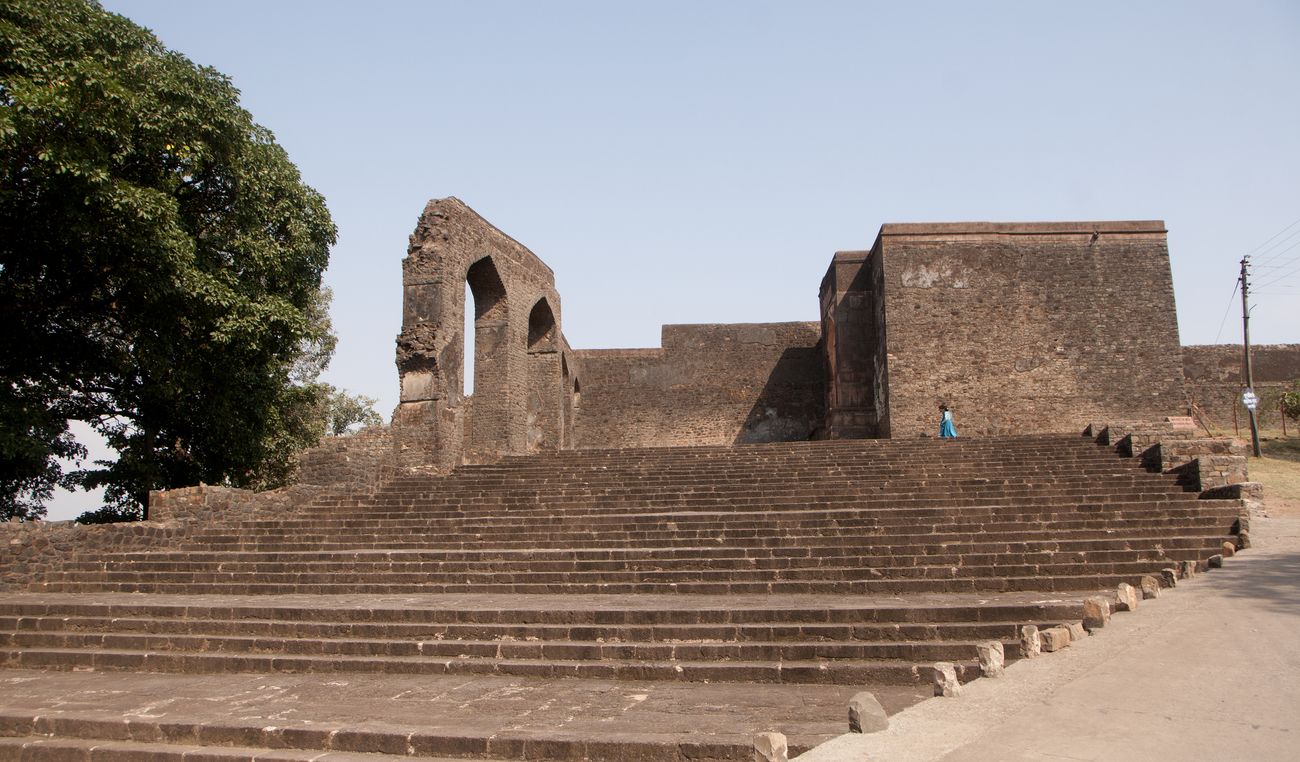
point(487, 412)
point(541, 327)
point(485, 314)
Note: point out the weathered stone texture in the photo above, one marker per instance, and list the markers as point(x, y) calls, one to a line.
point(853, 320)
point(523, 368)
point(866, 715)
point(1028, 327)
point(1054, 638)
point(1096, 613)
point(361, 460)
point(708, 384)
point(945, 680)
point(992, 658)
point(1215, 380)
point(35, 548)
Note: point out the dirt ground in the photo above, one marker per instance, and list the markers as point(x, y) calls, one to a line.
point(1279, 472)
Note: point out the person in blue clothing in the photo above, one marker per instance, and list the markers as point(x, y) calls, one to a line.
point(946, 430)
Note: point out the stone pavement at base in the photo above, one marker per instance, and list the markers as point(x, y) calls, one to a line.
point(395, 706)
point(1210, 671)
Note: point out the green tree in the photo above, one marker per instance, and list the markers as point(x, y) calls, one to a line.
point(345, 411)
point(1291, 401)
point(160, 266)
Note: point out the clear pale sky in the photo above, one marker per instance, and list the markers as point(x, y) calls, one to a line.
point(695, 162)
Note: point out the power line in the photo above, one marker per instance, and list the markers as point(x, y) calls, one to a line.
point(1276, 264)
point(1281, 277)
point(1224, 322)
point(1267, 243)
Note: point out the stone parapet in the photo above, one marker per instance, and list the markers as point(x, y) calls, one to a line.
point(1169, 446)
point(360, 461)
point(34, 547)
point(208, 504)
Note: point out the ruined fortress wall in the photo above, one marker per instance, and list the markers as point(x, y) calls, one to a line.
point(1028, 327)
point(707, 384)
point(1215, 382)
point(519, 349)
point(848, 312)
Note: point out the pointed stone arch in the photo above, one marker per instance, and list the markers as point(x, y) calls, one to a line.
point(487, 414)
point(541, 327)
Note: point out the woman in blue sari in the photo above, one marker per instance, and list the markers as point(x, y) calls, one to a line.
point(946, 430)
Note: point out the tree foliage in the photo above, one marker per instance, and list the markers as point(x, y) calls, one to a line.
point(160, 266)
point(1290, 402)
point(346, 412)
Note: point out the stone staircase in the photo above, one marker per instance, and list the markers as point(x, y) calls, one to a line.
point(843, 563)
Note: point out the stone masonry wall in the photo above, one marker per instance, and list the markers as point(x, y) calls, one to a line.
point(708, 384)
point(1028, 327)
point(850, 303)
point(32, 548)
point(519, 385)
point(1215, 382)
point(359, 461)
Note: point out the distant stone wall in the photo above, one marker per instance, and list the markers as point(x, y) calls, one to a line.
point(708, 384)
point(1028, 327)
point(1215, 382)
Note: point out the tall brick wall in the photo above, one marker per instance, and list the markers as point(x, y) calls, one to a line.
point(1215, 382)
point(708, 384)
point(1027, 327)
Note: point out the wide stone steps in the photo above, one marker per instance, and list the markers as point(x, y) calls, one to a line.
point(1055, 518)
point(515, 632)
point(1090, 580)
point(847, 568)
point(812, 671)
point(1154, 529)
point(357, 558)
point(686, 502)
point(840, 518)
point(363, 566)
point(568, 650)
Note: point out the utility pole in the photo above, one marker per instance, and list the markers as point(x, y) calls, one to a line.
point(1248, 397)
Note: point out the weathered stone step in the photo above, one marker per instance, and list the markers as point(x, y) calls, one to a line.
point(584, 611)
point(556, 510)
point(685, 524)
point(60, 749)
point(731, 472)
point(688, 525)
point(143, 564)
point(838, 672)
point(711, 551)
point(631, 484)
point(1069, 583)
point(953, 533)
point(847, 571)
point(480, 718)
point(773, 631)
point(508, 650)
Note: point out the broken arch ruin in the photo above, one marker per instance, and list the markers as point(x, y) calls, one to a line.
point(1021, 327)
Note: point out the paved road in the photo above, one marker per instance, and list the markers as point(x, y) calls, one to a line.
point(1208, 671)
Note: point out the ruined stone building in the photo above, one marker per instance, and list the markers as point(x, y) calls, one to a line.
point(1019, 327)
